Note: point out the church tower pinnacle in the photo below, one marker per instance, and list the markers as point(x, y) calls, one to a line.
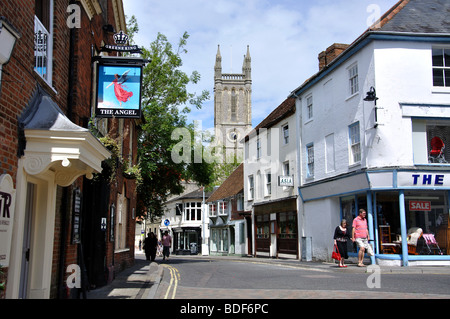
point(232, 106)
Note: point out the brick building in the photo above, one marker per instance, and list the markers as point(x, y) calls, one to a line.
point(62, 178)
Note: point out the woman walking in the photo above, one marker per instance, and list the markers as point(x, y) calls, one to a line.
point(341, 235)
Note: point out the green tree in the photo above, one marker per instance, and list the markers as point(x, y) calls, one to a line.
point(165, 103)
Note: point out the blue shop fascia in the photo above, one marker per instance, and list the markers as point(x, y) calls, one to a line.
point(403, 206)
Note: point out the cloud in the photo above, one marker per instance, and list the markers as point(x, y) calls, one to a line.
point(284, 36)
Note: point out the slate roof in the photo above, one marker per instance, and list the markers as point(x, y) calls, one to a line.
point(233, 185)
point(421, 17)
point(417, 16)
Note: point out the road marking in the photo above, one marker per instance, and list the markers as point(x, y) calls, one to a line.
point(174, 278)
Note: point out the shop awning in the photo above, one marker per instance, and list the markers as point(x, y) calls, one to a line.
point(49, 141)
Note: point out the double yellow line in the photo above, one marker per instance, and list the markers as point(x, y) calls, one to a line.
point(174, 278)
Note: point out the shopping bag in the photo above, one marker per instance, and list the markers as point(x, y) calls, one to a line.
point(336, 255)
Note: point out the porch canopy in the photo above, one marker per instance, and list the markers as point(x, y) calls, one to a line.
point(48, 140)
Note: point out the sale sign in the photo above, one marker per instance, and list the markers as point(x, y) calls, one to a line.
point(421, 206)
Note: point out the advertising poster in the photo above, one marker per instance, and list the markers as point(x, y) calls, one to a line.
point(119, 91)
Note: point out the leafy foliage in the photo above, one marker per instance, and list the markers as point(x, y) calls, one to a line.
point(165, 100)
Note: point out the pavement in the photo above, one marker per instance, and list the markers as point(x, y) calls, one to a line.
point(143, 279)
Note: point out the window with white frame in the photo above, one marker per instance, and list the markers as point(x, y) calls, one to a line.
point(353, 79)
point(355, 143)
point(441, 67)
point(251, 187)
point(212, 210)
point(222, 208)
point(268, 188)
point(285, 130)
point(193, 211)
point(43, 39)
point(310, 156)
point(309, 108)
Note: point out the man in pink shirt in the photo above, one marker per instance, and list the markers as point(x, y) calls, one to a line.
point(360, 234)
point(166, 242)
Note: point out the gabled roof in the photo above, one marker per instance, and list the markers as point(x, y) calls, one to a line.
point(233, 185)
point(417, 16)
point(285, 109)
point(407, 17)
point(196, 194)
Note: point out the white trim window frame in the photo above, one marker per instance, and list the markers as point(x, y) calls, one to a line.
point(353, 79)
point(355, 143)
point(268, 180)
point(310, 163)
point(441, 67)
point(251, 187)
point(309, 108)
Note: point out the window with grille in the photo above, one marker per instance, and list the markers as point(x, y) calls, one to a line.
point(43, 39)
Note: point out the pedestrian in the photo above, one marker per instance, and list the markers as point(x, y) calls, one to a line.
point(360, 235)
point(167, 242)
point(150, 246)
point(340, 241)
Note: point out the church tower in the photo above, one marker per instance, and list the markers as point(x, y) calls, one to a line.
point(232, 106)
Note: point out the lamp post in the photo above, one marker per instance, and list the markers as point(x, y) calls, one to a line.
point(372, 97)
point(8, 38)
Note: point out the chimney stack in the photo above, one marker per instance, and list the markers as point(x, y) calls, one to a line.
point(327, 56)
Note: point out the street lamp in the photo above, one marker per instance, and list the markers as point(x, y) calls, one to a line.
point(372, 97)
point(8, 38)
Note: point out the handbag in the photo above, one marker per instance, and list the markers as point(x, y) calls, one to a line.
point(336, 255)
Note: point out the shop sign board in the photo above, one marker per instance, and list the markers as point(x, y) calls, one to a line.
point(423, 179)
point(419, 206)
point(7, 209)
point(286, 181)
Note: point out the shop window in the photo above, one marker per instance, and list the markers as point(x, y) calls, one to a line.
point(427, 218)
point(262, 227)
point(388, 221)
point(287, 225)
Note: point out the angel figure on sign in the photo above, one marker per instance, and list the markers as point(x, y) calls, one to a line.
point(121, 94)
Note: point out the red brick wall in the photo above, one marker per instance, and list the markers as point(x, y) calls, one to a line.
point(18, 83)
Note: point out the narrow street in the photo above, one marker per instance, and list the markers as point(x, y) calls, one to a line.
point(197, 277)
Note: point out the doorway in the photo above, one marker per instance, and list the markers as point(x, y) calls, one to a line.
point(24, 272)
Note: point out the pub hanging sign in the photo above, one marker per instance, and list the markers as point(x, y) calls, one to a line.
point(119, 83)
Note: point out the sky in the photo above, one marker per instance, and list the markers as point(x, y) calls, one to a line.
point(284, 36)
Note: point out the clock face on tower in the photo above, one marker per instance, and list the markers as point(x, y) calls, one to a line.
point(233, 136)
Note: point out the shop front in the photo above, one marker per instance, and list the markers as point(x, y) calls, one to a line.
point(187, 240)
point(408, 213)
point(276, 230)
